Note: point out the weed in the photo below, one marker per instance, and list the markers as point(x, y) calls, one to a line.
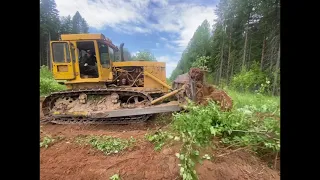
point(115, 177)
point(239, 127)
point(108, 144)
point(47, 140)
point(159, 138)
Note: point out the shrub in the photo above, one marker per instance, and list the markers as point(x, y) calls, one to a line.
point(249, 80)
point(47, 82)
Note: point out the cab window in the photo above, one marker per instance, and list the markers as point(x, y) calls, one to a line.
point(111, 53)
point(60, 52)
point(104, 55)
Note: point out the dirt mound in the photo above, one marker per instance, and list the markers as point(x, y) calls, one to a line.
point(68, 160)
point(203, 92)
point(216, 95)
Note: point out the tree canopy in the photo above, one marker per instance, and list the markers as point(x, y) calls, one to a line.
point(245, 38)
point(52, 26)
point(144, 55)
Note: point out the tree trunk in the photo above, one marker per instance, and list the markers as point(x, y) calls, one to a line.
point(271, 58)
point(48, 51)
point(229, 57)
point(221, 59)
point(276, 73)
point(232, 65)
point(40, 54)
point(249, 53)
point(245, 49)
point(262, 53)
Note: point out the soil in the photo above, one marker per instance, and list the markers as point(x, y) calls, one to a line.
point(66, 159)
point(204, 91)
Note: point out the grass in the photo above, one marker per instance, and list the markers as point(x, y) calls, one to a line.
point(107, 144)
point(47, 82)
point(254, 123)
point(257, 102)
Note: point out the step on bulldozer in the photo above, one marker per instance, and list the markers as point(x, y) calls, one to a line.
point(104, 88)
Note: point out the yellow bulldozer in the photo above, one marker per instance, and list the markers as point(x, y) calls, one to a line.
point(103, 88)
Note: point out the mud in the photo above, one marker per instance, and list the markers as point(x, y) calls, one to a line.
point(76, 105)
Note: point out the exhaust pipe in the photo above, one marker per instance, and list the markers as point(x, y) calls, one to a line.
point(121, 52)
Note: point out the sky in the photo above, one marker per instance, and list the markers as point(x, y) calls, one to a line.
point(164, 27)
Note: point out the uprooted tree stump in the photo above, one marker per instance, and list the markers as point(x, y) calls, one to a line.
point(199, 91)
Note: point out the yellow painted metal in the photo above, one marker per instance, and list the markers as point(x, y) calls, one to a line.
point(166, 96)
point(62, 75)
point(157, 69)
point(86, 85)
point(77, 37)
point(73, 73)
point(154, 72)
point(79, 113)
point(156, 79)
point(140, 63)
point(76, 113)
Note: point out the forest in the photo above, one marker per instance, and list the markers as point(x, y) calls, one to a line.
point(52, 26)
point(242, 50)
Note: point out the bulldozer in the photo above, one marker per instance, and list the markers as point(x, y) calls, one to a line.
point(112, 90)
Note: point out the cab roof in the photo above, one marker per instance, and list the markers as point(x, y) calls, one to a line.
point(74, 37)
point(98, 36)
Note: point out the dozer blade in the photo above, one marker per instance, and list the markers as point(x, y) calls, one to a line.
point(162, 108)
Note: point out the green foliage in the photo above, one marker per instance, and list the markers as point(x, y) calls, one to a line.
point(252, 103)
point(115, 177)
point(253, 122)
point(197, 47)
point(159, 138)
point(52, 26)
point(195, 125)
point(244, 32)
point(187, 159)
point(264, 87)
point(108, 144)
point(144, 55)
point(47, 83)
point(47, 140)
point(79, 24)
point(201, 62)
point(242, 125)
point(249, 80)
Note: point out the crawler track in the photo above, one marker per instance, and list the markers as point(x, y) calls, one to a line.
point(50, 100)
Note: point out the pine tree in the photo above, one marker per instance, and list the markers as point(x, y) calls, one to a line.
point(66, 25)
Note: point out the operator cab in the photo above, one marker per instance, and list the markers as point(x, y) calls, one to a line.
point(83, 56)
